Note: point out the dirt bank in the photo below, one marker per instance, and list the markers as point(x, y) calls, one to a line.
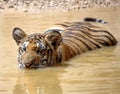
point(8, 6)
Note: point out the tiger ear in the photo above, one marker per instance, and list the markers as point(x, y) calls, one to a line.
point(53, 38)
point(18, 34)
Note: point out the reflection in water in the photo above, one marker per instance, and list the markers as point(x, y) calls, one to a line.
point(95, 72)
point(38, 82)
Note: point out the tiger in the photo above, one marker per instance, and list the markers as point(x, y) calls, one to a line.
point(60, 43)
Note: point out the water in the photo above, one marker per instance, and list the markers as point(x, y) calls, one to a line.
point(95, 72)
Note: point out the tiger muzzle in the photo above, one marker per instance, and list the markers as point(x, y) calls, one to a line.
point(31, 60)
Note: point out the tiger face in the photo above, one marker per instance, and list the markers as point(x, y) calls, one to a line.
point(34, 50)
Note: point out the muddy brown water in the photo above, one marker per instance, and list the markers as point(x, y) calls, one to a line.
point(94, 72)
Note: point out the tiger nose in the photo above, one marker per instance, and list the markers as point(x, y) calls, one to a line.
point(30, 59)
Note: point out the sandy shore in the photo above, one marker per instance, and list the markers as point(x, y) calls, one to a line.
point(35, 6)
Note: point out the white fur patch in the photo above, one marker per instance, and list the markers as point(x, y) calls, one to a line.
point(21, 66)
point(25, 44)
point(60, 29)
point(40, 45)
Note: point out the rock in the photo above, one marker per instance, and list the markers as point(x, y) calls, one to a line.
point(11, 6)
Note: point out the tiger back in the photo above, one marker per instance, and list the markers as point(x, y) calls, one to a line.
point(79, 37)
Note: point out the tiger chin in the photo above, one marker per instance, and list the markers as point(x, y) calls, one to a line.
point(59, 43)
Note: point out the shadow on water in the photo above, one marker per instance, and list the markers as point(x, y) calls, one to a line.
point(95, 72)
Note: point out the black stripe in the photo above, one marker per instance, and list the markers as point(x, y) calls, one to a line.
point(102, 35)
point(72, 51)
point(73, 44)
point(96, 39)
point(96, 31)
point(89, 48)
point(90, 19)
point(87, 34)
point(63, 25)
point(79, 35)
point(49, 57)
point(100, 21)
point(59, 55)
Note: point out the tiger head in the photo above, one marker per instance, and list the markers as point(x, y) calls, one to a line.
point(33, 49)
